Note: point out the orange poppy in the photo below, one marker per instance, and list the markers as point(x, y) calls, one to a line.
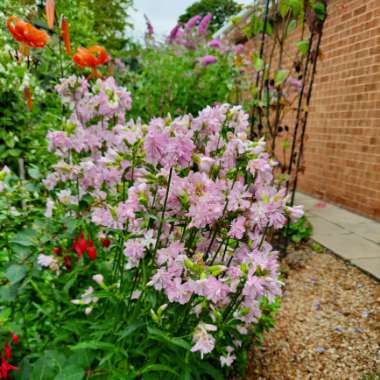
point(50, 11)
point(66, 35)
point(91, 57)
point(26, 33)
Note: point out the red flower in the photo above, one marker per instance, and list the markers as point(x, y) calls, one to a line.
point(7, 351)
point(106, 243)
point(57, 250)
point(81, 246)
point(5, 368)
point(68, 263)
point(91, 251)
point(15, 338)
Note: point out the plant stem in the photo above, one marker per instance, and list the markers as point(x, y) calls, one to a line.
point(163, 213)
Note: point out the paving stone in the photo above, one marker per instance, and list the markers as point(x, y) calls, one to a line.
point(350, 236)
point(369, 265)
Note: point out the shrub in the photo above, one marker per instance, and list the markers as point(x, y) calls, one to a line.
point(153, 255)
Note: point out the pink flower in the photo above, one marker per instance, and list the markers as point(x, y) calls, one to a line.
point(213, 289)
point(192, 22)
point(156, 141)
point(59, 141)
point(262, 168)
point(206, 163)
point(149, 27)
point(216, 43)
point(203, 25)
point(103, 217)
point(239, 198)
point(207, 60)
point(179, 151)
point(98, 278)
point(228, 359)
point(134, 251)
point(295, 212)
point(170, 253)
point(204, 342)
point(294, 83)
point(44, 260)
point(239, 49)
point(174, 34)
point(49, 208)
point(207, 210)
point(237, 228)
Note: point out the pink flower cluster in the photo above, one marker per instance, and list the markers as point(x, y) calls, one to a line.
point(192, 197)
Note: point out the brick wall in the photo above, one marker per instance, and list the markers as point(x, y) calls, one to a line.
point(342, 156)
point(342, 153)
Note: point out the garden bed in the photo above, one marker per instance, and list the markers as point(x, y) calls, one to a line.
point(328, 326)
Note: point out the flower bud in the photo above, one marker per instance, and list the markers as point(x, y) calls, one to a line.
point(98, 278)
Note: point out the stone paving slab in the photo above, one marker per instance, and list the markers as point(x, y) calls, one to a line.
point(351, 236)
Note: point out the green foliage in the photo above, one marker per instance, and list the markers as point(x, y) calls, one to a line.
point(23, 132)
point(316, 247)
point(110, 21)
point(222, 10)
point(299, 231)
point(170, 80)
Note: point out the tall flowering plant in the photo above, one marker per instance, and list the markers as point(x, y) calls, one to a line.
point(165, 226)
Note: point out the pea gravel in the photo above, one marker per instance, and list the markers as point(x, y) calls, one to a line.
point(328, 326)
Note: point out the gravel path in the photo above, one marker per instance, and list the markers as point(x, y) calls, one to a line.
point(328, 326)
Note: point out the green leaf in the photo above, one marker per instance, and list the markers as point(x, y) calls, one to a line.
point(47, 366)
point(24, 370)
point(296, 238)
point(34, 172)
point(295, 6)
point(71, 372)
point(292, 26)
point(15, 273)
point(320, 10)
point(81, 358)
point(284, 8)
point(258, 62)
point(163, 337)
point(280, 76)
point(211, 371)
point(157, 368)
point(8, 293)
point(93, 345)
point(303, 46)
point(131, 329)
point(25, 238)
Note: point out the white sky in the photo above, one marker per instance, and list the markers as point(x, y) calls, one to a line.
point(162, 13)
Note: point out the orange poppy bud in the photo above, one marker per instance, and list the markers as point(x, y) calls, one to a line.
point(91, 57)
point(50, 11)
point(28, 98)
point(26, 33)
point(66, 34)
